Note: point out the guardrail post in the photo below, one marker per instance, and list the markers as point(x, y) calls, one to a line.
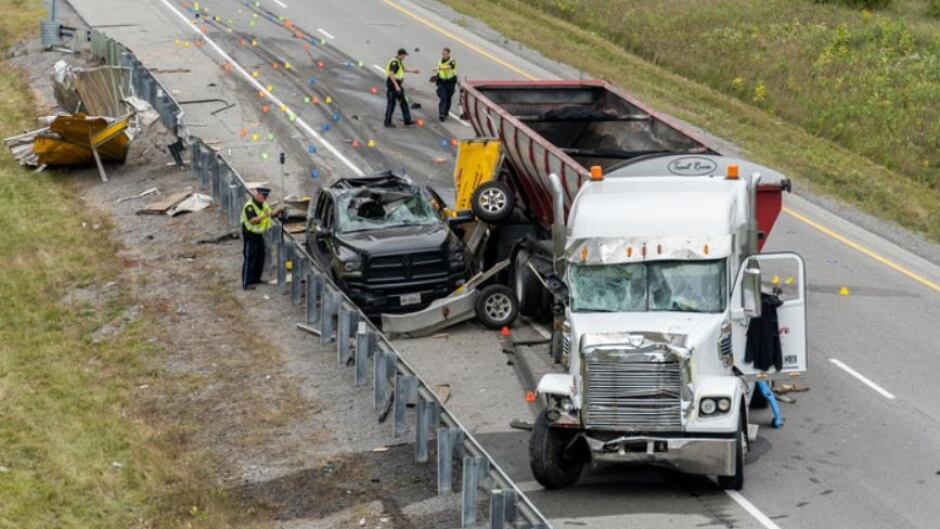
point(425, 414)
point(342, 337)
point(235, 211)
point(281, 256)
point(225, 197)
point(363, 350)
point(502, 508)
point(327, 307)
point(445, 461)
point(471, 478)
point(405, 385)
point(296, 275)
point(380, 379)
point(314, 286)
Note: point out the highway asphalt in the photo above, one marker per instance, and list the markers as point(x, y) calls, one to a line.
point(860, 449)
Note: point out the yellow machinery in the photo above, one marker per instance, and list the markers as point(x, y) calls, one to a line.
point(478, 160)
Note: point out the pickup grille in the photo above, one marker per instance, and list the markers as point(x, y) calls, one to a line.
point(409, 267)
point(633, 396)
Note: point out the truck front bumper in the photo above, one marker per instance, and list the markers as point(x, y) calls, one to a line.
point(694, 455)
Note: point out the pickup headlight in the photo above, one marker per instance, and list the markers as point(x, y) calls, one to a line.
point(352, 266)
point(708, 406)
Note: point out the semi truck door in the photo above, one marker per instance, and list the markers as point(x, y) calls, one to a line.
point(782, 275)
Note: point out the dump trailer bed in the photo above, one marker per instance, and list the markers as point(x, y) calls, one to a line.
point(566, 127)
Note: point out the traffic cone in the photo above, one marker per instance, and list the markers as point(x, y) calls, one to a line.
point(504, 332)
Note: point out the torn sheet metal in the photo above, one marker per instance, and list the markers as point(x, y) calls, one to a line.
point(93, 91)
point(611, 250)
point(193, 203)
point(160, 207)
point(69, 140)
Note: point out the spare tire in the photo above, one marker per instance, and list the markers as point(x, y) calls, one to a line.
point(496, 307)
point(493, 202)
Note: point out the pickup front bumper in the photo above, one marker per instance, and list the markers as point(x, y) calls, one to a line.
point(694, 455)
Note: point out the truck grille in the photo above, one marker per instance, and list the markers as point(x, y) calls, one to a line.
point(417, 266)
point(633, 396)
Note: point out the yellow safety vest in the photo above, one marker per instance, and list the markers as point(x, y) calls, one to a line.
point(447, 70)
point(260, 227)
point(400, 74)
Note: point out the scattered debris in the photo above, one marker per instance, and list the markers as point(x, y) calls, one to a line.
point(192, 204)
point(443, 392)
point(380, 449)
point(441, 335)
point(230, 236)
point(160, 207)
point(142, 194)
point(787, 387)
point(519, 424)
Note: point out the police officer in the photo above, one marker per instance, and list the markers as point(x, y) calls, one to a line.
point(256, 219)
point(446, 83)
point(394, 83)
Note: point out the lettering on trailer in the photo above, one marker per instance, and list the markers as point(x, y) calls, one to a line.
point(692, 166)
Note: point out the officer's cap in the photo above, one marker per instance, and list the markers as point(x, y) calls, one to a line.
point(402, 51)
point(263, 191)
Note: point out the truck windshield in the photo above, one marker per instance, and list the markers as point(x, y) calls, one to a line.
point(683, 286)
point(370, 210)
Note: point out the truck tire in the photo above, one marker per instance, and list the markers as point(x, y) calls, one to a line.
point(528, 290)
point(736, 482)
point(496, 307)
point(551, 466)
point(493, 202)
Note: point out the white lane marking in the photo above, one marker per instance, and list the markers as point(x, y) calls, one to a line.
point(254, 82)
point(282, 4)
point(321, 30)
point(884, 393)
point(538, 328)
point(751, 509)
point(379, 68)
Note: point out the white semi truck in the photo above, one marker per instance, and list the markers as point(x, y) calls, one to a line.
point(665, 313)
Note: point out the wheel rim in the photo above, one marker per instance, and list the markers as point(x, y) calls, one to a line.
point(520, 273)
point(492, 200)
point(498, 307)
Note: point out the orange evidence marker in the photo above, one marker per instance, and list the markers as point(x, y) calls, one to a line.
point(530, 396)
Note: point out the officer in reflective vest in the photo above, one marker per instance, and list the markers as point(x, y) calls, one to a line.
point(394, 83)
point(446, 83)
point(256, 219)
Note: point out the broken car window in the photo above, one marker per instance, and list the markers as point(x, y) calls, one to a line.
point(683, 286)
point(377, 209)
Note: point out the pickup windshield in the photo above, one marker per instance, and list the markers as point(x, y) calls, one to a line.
point(368, 210)
point(682, 286)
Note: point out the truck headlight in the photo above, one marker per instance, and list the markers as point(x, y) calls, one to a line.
point(352, 266)
point(707, 406)
point(724, 405)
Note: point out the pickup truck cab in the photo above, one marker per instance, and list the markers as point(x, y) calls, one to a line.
point(384, 243)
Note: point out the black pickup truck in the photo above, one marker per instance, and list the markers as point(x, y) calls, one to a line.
point(384, 242)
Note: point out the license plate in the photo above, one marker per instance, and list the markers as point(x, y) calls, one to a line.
point(410, 299)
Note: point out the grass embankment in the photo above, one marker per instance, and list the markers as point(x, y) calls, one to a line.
point(73, 454)
point(841, 99)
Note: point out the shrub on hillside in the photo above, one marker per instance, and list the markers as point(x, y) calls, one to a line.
point(933, 8)
point(861, 4)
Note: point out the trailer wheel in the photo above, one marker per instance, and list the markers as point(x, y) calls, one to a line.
point(553, 463)
point(493, 202)
point(496, 307)
point(736, 481)
point(528, 290)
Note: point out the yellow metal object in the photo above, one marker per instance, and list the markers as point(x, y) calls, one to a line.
point(477, 163)
point(72, 137)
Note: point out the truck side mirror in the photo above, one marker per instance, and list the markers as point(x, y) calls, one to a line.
point(750, 292)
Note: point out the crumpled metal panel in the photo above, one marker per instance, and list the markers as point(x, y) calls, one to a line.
point(608, 250)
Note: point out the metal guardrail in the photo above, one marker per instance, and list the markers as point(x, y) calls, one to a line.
point(336, 319)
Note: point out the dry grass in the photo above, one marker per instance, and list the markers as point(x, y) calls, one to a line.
point(787, 87)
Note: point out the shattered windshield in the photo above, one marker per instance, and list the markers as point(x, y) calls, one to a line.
point(376, 209)
point(682, 286)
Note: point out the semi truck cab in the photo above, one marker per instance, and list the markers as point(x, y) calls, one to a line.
point(663, 282)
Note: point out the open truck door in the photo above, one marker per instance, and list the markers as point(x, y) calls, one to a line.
point(782, 275)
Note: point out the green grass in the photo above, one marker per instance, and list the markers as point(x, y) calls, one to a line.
point(74, 451)
point(840, 99)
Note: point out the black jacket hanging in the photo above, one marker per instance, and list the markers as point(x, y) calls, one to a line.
point(763, 337)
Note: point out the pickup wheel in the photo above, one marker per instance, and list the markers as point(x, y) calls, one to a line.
point(492, 202)
point(496, 307)
point(736, 481)
point(553, 464)
point(528, 290)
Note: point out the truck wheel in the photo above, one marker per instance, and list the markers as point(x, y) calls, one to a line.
point(736, 482)
point(551, 466)
point(496, 307)
point(492, 202)
point(529, 291)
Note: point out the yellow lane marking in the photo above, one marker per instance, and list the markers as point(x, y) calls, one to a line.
point(450, 35)
point(858, 247)
point(806, 220)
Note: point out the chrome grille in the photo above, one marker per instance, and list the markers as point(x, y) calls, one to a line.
point(417, 266)
point(633, 396)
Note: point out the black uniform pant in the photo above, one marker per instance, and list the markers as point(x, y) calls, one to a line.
point(253, 252)
point(445, 95)
point(394, 97)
